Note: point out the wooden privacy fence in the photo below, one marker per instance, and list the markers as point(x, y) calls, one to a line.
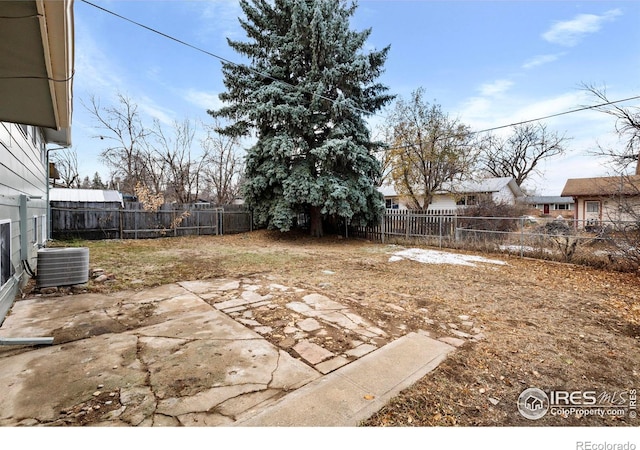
point(407, 224)
point(134, 222)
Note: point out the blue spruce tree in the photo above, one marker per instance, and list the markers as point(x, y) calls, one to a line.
point(306, 94)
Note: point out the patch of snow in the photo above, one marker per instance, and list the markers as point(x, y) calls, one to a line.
point(440, 257)
point(523, 248)
point(516, 248)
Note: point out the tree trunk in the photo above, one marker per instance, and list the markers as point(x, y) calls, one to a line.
point(315, 222)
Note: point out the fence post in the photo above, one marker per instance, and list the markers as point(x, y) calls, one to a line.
point(521, 237)
point(220, 222)
point(121, 221)
point(406, 231)
point(135, 222)
point(440, 231)
point(383, 229)
point(174, 222)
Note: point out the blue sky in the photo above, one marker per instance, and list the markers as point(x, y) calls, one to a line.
point(488, 63)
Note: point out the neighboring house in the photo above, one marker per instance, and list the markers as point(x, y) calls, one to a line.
point(469, 193)
point(553, 206)
point(391, 199)
point(466, 193)
point(36, 54)
point(604, 199)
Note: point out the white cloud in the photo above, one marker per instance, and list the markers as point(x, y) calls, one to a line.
point(221, 18)
point(95, 72)
point(549, 106)
point(540, 60)
point(203, 99)
point(569, 33)
point(585, 129)
point(495, 88)
point(150, 108)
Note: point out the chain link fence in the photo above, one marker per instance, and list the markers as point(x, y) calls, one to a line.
point(592, 242)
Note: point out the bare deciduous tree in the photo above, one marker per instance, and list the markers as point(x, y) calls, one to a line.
point(627, 126)
point(161, 160)
point(383, 133)
point(519, 154)
point(224, 165)
point(127, 153)
point(182, 169)
point(428, 149)
point(66, 162)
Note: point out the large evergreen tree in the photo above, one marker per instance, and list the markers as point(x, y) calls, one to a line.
point(306, 94)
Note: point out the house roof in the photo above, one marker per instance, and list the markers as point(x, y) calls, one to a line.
point(486, 185)
point(602, 186)
point(85, 195)
point(536, 200)
point(468, 187)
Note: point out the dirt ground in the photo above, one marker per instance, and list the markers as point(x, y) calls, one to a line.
point(541, 324)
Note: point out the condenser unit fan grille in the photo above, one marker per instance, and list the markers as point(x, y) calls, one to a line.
point(62, 266)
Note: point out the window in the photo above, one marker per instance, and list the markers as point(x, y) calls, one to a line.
point(467, 200)
point(593, 207)
point(6, 269)
point(390, 203)
point(39, 230)
point(562, 206)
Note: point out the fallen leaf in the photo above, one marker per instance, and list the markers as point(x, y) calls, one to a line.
point(369, 397)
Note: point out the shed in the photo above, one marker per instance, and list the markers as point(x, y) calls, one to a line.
point(85, 213)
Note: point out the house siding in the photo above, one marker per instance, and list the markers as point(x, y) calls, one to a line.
point(609, 209)
point(504, 195)
point(23, 196)
point(443, 201)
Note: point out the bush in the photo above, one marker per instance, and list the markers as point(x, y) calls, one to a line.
point(491, 216)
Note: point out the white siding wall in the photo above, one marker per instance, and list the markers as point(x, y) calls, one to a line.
point(443, 201)
point(23, 172)
point(610, 210)
point(504, 195)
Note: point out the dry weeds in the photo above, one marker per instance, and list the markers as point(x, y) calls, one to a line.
point(546, 325)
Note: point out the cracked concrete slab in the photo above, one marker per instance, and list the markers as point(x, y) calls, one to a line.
point(40, 383)
point(206, 287)
point(193, 353)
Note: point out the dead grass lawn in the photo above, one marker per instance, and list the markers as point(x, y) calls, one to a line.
point(546, 325)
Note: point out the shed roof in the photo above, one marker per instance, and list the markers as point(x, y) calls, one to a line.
point(85, 195)
point(602, 186)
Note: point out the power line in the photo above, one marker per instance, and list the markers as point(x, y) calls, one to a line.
point(332, 100)
point(225, 60)
point(584, 108)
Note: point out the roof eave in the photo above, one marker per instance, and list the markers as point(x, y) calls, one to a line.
point(36, 75)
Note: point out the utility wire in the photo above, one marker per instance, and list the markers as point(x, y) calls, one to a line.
point(324, 97)
point(571, 111)
point(486, 130)
point(225, 60)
